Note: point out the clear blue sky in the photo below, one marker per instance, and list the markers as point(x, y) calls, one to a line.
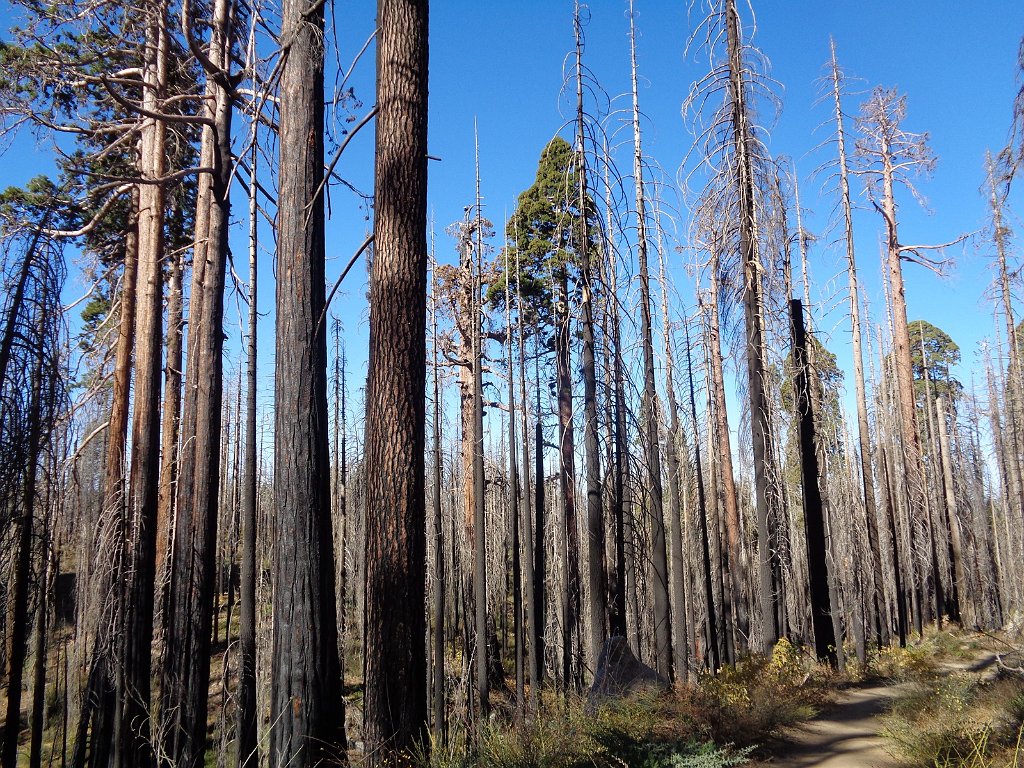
point(501, 64)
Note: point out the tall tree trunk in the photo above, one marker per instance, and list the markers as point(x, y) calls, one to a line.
point(567, 484)
point(143, 485)
point(761, 437)
point(186, 673)
point(539, 550)
point(479, 524)
point(248, 754)
point(306, 711)
point(396, 696)
point(814, 514)
point(863, 429)
point(659, 554)
point(597, 578)
point(673, 438)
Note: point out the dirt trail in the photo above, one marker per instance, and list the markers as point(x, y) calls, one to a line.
point(848, 734)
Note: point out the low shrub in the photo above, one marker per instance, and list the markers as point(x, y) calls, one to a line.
point(751, 701)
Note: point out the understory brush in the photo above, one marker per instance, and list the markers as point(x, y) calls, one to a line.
point(959, 720)
point(750, 702)
point(713, 723)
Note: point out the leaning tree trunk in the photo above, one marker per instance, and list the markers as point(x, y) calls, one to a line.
point(307, 717)
point(396, 677)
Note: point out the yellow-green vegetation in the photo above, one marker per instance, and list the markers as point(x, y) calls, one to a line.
point(716, 722)
point(750, 702)
point(957, 718)
point(646, 731)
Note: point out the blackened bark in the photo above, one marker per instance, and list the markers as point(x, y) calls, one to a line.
point(396, 694)
point(306, 711)
point(814, 517)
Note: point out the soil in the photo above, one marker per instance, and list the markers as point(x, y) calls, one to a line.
point(848, 734)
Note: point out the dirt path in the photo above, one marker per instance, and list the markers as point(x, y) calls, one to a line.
point(848, 734)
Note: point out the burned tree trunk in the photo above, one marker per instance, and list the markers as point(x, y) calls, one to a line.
point(396, 694)
point(307, 712)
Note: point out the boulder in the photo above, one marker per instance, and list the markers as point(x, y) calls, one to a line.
point(620, 674)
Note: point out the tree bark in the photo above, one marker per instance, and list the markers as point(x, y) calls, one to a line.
point(396, 696)
point(307, 711)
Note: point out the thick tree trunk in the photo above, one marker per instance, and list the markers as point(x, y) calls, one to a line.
point(396, 696)
point(307, 715)
point(814, 515)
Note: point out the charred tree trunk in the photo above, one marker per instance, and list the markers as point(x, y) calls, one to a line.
point(659, 554)
point(814, 514)
point(396, 696)
point(307, 712)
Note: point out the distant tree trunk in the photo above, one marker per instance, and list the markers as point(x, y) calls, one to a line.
point(534, 618)
point(307, 717)
point(438, 692)
point(248, 754)
point(702, 516)
point(863, 429)
point(396, 695)
point(618, 463)
point(171, 422)
point(23, 571)
point(735, 565)
point(673, 437)
point(514, 517)
point(761, 436)
point(659, 554)
point(47, 575)
point(597, 579)
point(968, 613)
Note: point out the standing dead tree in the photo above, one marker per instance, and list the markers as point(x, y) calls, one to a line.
point(729, 144)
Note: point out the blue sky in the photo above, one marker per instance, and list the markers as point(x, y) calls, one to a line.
point(501, 65)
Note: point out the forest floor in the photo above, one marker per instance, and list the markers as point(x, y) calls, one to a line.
point(850, 733)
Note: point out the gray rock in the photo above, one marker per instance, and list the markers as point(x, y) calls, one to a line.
point(620, 674)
